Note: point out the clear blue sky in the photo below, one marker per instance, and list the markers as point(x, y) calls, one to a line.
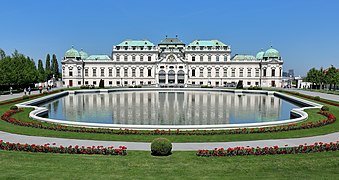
point(306, 32)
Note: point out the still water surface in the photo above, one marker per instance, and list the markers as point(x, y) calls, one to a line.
point(169, 108)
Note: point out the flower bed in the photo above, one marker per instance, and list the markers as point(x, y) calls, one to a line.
point(46, 148)
point(56, 127)
point(247, 151)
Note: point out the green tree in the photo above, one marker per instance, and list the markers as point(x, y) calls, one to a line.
point(314, 76)
point(55, 66)
point(41, 71)
point(2, 54)
point(331, 77)
point(48, 69)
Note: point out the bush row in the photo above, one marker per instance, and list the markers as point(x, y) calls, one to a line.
point(316, 98)
point(247, 151)
point(46, 148)
point(57, 127)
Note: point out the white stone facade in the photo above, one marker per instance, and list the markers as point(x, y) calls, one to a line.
point(172, 63)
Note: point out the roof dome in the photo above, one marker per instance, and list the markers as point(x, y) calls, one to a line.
point(271, 53)
point(260, 54)
point(72, 53)
point(83, 54)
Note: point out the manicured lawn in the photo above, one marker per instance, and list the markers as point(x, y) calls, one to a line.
point(180, 165)
point(313, 116)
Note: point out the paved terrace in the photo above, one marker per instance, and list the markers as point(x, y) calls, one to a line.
point(143, 146)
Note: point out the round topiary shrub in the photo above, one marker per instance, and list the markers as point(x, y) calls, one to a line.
point(14, 108)
point(45, 92)
point(25, 97)
point(317, 98)
point(325, 108)
point(161, 147)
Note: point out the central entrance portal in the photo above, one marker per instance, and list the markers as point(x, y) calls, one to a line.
point(171, 77)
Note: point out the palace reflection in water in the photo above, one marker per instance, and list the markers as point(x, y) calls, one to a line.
point(169, 108)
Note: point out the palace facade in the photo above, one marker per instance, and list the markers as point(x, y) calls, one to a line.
point(172, 63)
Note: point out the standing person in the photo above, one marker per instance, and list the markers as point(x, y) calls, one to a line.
point(29, 90)
point(40, 89)
point(10, 90)
point(25, 91)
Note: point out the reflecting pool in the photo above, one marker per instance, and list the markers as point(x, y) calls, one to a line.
point(169, 108)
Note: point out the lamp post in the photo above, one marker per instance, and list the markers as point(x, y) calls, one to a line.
point(83, 75)
point(260, 68)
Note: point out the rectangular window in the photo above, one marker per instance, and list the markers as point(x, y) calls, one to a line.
point(141, 82)
point(201, 58)
point(209, 73)
point(79, 82)
point(118, 57)
point(125, 72)
point(233, 72)
point(225, 72)
point(94, 72)
point(201, 83)
point(264, 74)
point(248, 83)
point(110, 72)
point(125, 82)
point(217, 73)
point(273, 72)
point(86, 82)
point(257, 83)
point(141, 58)
point(217, 58)
point(209, 58)
point(94, 82)
point(79, 72)
point(193, 72)
point(110, 83)
point(201, 72)
point(256, 72)
point(125, 58)
point(118, 73)
point(133, 58)
point(149, 58)
point(118, 83)
point(102, 72)
point(149, 74)
point(141, 73)
point(193, 82)
point(249, 71)
point(70, 73)
point(193, 58)
point(225, 58)
point(133, 72)
point(241, 73)
point(149, 82)
point(86, 72)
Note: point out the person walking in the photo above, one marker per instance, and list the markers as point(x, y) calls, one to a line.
point(25, 91)
point(40, 89)
point(29, 90)
point(10, 90)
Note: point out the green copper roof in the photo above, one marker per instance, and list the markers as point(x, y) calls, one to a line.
point(207, 43)
point(83, 54)
point(72, 53)
point(98, 57)
point(173, 41)
point(272, 53)
point(243, 57)
point(136, 43)
point(260, 55)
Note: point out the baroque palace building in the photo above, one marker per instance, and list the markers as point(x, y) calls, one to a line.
point(172, 63)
